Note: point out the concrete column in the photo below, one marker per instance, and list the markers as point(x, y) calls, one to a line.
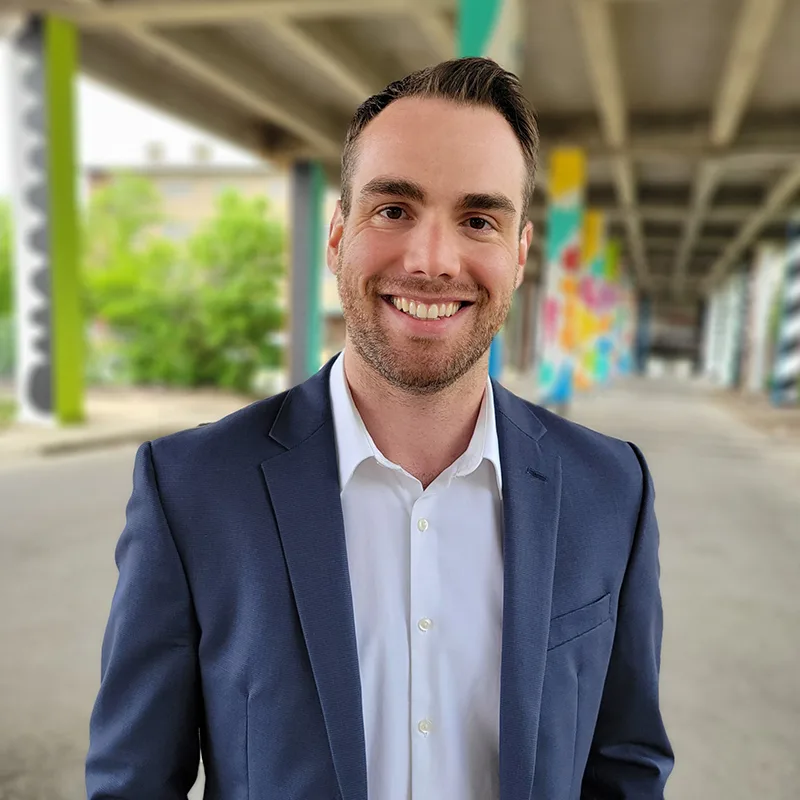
point(50, 342)
point(307, 237)
point(768, 269)
point(593, 312)
point(624, 322)
point(708, 334)
point(612, 311)
point(786, 381)
point(556, 350)
point(728, 330)
point(644, 320)
point(492, 28)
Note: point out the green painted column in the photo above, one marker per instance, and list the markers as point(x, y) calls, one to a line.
point(50, 349)
point(492, 28)
point(306, 316)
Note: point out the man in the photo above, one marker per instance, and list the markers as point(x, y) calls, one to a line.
point(397, 580)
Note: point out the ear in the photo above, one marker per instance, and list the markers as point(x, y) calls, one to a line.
point(335, 232)
point(525, 240)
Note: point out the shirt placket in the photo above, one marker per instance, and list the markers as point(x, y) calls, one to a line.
point(424, 594)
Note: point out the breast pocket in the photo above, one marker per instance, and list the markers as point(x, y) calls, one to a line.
point(579, 622)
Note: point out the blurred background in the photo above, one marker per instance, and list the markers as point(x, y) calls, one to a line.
point(167, 173)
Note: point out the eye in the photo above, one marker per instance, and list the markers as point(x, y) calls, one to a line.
point(391, 212)
point(479, 224)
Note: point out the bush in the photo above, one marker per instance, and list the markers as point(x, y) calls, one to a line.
point(203, 315)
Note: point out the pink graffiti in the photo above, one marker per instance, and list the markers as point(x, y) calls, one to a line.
point(597, 294)
point(551, 319)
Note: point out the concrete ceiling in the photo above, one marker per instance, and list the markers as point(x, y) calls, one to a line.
point(689, 110)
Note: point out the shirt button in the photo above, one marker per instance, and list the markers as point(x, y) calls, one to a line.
point(425, 625)
point(422, 525)
point(425, 727)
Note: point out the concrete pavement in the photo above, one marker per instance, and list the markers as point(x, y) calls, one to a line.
point(729, 509)
point(119, 416)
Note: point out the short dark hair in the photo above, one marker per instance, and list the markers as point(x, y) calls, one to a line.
point(466, 81)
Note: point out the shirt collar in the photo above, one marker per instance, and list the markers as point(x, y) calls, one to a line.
point(354, 444)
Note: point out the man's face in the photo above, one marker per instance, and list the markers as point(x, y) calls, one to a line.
point(430, 254)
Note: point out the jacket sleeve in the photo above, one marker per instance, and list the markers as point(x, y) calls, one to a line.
point(631, 756)
point(144, 738)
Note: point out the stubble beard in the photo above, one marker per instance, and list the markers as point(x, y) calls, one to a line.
point(418, 365)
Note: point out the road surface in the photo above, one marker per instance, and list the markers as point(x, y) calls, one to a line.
point(728, 501)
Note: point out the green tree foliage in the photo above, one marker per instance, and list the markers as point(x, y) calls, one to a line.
point(204, 314)
point(6, 256)
point(118, 216)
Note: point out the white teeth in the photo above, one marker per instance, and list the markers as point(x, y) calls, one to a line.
point(424, 311)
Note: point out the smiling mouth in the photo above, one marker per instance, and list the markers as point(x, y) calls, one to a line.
point(426, 310)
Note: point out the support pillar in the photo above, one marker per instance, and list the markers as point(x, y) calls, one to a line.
point(50, 338)
point(786, 381)
point(556, 341)
point(611, 312)
point(307, 237)
point(625, 322)
point(644, 320)
point(493, 29)
point(592, 300)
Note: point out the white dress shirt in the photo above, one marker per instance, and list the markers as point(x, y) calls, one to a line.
point(426, 570)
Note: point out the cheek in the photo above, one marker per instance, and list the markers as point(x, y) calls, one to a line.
point(371, 252)
point(495, 271)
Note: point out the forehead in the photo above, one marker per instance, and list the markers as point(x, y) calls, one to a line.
point(448, 148)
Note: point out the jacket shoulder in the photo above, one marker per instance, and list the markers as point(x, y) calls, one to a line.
point(584, 448)
point(241, 434)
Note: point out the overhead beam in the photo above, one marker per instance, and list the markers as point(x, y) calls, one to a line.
point(100, 61)
point(662, 212)
point(705, 186)
point(213, 12)
point(677, 149)
point(754, 28)
point(781, 194)
point(201, 55)
point(594, 21)
point(595, 24)
point(358, 86)
point(437, 32)
point(626, 185)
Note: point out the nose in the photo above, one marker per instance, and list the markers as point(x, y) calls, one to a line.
point(432, 250)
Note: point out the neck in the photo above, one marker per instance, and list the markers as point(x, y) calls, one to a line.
point(424, 434)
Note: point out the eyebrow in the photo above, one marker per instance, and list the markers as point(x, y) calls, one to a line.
point(394, 187)
point(384, 186)
point(487, 202)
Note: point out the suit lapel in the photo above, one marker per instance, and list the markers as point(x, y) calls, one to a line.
point(531, 502)
point(303, 486)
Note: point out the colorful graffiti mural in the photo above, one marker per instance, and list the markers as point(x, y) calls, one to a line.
point(561, 301)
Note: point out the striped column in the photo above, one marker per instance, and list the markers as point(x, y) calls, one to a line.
point(50, 347)
point(493, 29)
point(558, 318)
point(786, 378)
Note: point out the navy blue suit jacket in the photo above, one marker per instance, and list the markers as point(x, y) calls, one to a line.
point(232, 627)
